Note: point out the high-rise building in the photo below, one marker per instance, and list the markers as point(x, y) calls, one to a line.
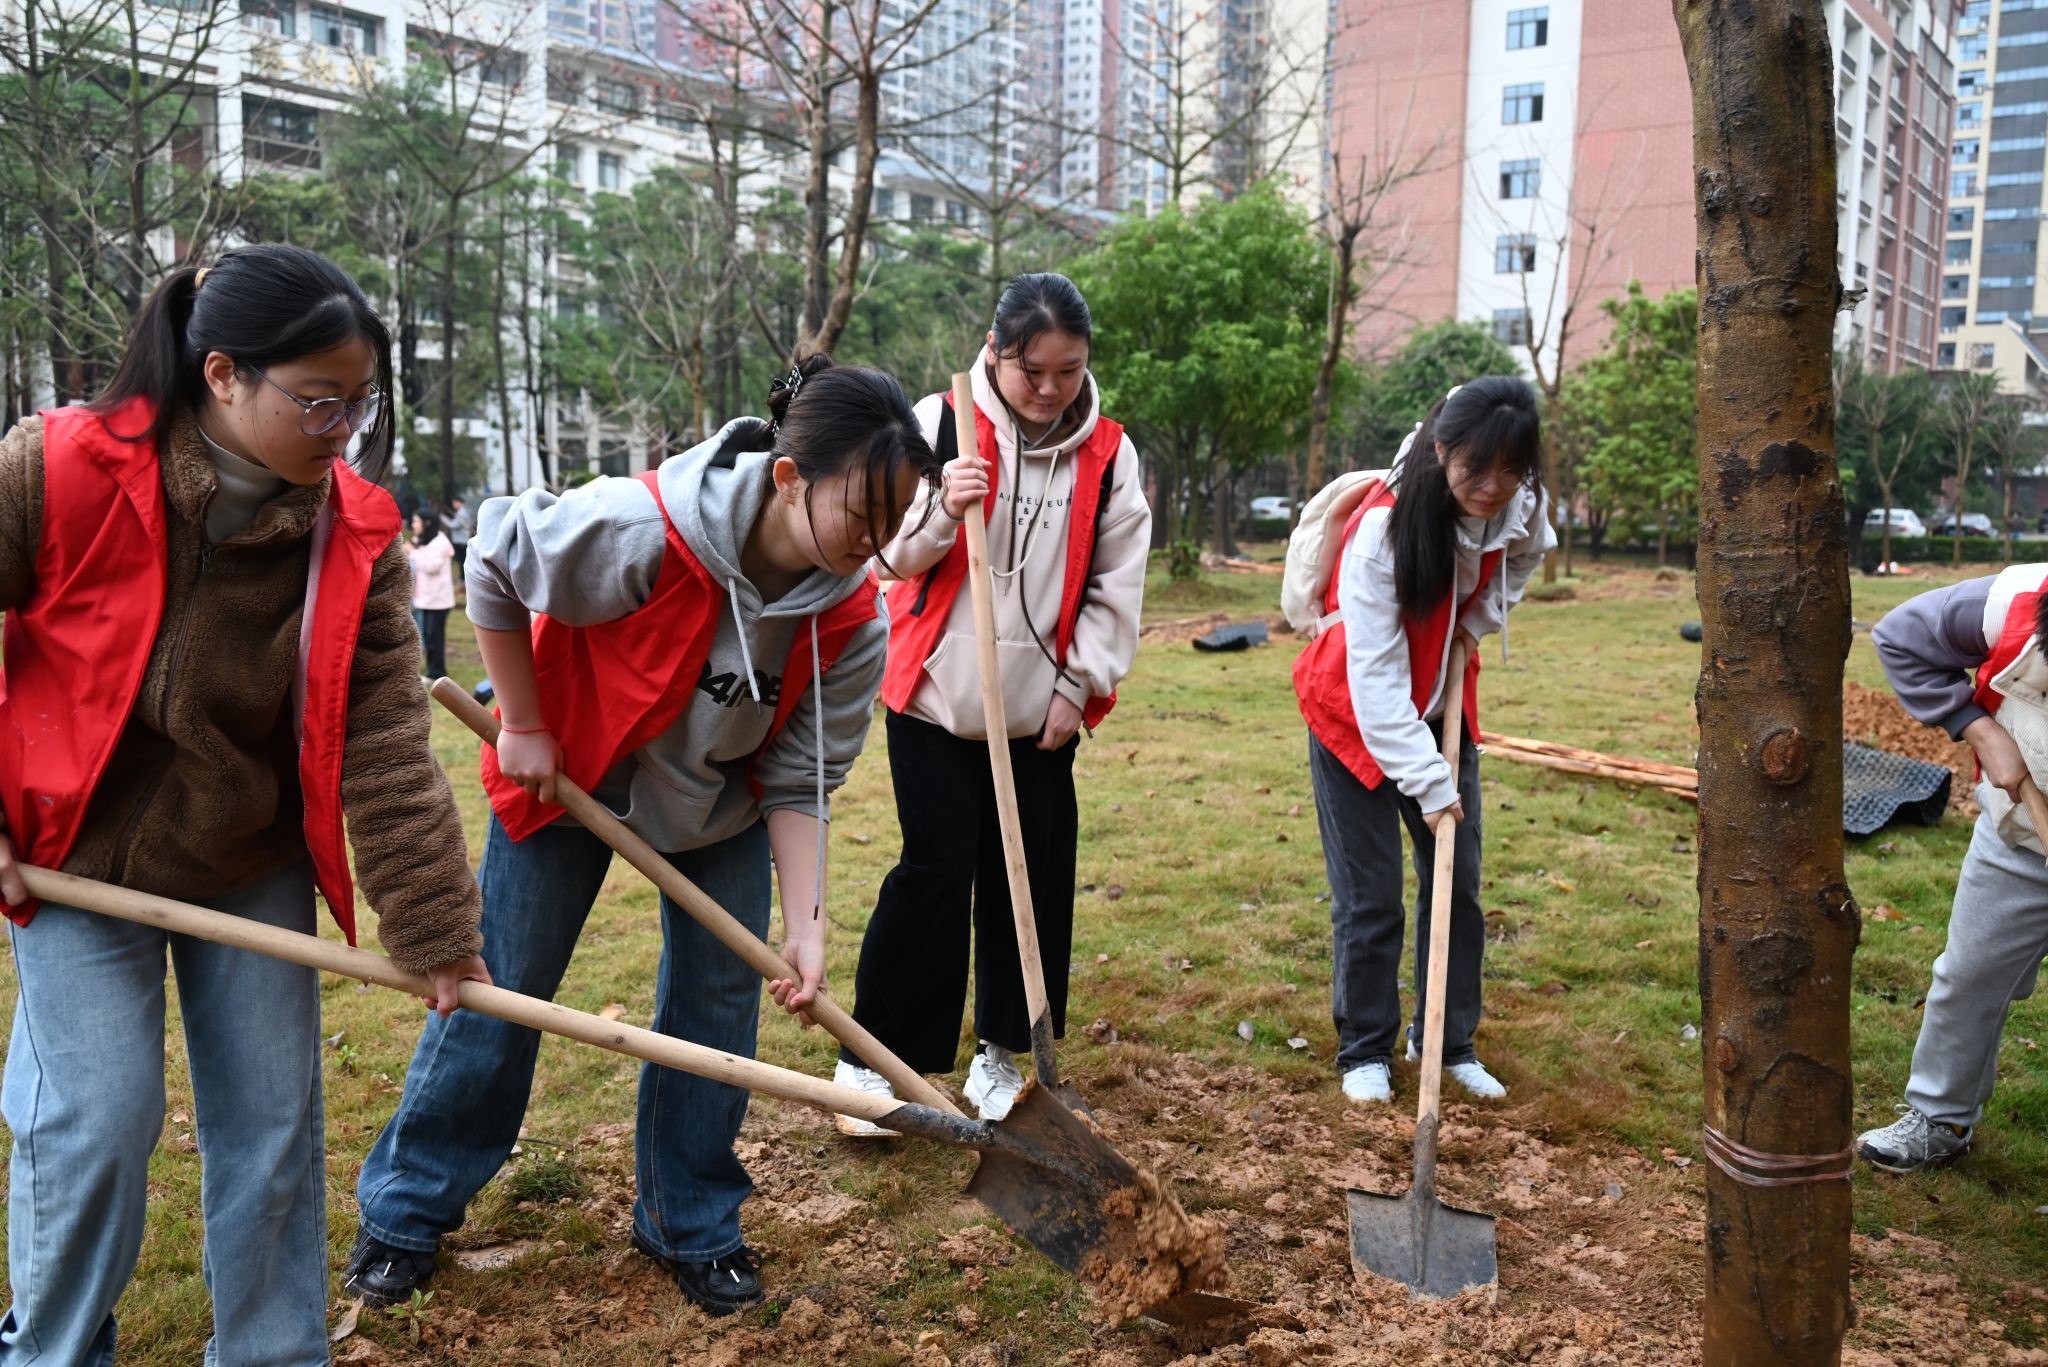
point(1559, 163)
point(1991, 258)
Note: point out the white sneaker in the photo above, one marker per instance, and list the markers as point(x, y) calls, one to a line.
point(1471, 1075)
point(1370, 1082)
point(993, 1081)
point(1912, 1142)
point(864, 1080)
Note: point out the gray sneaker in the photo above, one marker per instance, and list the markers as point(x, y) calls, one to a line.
point(1913, 1142)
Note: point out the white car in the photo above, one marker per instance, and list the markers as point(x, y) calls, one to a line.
point(1904, 522)
point(1271, 508)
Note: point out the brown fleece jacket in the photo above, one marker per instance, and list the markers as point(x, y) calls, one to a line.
point(201, 796)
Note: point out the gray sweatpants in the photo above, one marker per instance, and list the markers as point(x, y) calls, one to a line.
point(1997, 935)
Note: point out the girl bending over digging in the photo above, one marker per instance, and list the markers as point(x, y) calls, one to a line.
point(219, 608)
point(1998, 930)
point(705, 660)
point(1441, 545)
point(1068, 528)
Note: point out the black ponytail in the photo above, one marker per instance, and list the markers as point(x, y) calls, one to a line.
point(262, 306)
point(1486, 423)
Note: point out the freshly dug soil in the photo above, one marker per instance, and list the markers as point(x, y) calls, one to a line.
point(1876, 718)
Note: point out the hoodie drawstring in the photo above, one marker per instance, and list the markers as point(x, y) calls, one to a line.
point(746, 653)
point(818, 734)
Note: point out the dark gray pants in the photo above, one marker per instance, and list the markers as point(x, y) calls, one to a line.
point(1361, 830)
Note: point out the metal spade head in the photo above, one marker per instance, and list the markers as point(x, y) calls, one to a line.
point(1055, 1180)
point(1434, 1249)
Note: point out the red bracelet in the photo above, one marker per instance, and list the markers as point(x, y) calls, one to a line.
point(522, 730)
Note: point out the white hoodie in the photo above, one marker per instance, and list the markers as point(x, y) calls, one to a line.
point(1027, 548)
point(1376, 646)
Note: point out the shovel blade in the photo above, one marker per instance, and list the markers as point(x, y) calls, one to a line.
point(1435, 1250)
point(1059, 1183)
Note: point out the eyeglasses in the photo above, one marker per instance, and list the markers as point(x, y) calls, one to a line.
point(318, 417)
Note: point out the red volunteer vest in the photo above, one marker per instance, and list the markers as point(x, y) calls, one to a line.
point(1322, 683)
point(607, 690)
point(76, 651)
point(918, 608)
point(2012, 639)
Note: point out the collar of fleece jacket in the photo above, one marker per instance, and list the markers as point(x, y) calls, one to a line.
point(189, 480)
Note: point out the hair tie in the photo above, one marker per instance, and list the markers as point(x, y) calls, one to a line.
point(1453, 392)
point(200, 279)
point(789, 384)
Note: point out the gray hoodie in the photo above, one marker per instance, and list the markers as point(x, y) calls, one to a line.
point(592, 555)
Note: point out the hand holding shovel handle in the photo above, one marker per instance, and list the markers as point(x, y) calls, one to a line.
point(598, 819)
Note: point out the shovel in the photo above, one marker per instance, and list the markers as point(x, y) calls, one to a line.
point(597, 819)
point(1192, 1301)
point(1046, 1171)
point(997, 724)
point(1437, 1250)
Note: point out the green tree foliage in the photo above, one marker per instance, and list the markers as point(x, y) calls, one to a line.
point(1395, 397)
point(1208, 330)
point(1632, 407)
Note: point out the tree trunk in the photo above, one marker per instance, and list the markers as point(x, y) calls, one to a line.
point(2006, 523)
point(1778, 924)
point(1884, 541)
point(444, 405)
point(818, 179)
point(853, 232)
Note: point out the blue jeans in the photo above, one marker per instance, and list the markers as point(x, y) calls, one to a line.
point(84, 1097)
point(466, 1092)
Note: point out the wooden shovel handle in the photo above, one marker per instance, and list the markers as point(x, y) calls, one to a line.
point(2037, 807)
point(180, 918)
point(598, 819)
point(1430, 1093)
point(998, 727)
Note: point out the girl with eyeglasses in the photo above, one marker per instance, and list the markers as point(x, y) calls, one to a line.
point(218, 606)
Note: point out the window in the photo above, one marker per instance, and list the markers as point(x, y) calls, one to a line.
point(885, 204)
point(1945, 356)
point(609, 170)
point(501, 68)
point(2006, 282)
point(614, 97)
point(2025, 248)
point(281, 134)
point(1955, 287)
point(2034, 144)
point(1970, 82)
point(1977, 11)
point(956, 212)
point(270, 16)
point(1528, 27)
point(1511, 326)
point(921, 207)
point(1961, 184)
point(1952, 318)
point(1970, 115)
point(2015, 178)
point(1521, 179)
point(339, 28)
point(1958, 251)
point(1983, 355)
point(1972, 48)
point(1966, 150)
point(569, 162)
point(1514, 253)
point(1962, 220)
point(1522, 103)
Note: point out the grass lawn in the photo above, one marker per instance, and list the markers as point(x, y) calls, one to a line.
point(1200, 908)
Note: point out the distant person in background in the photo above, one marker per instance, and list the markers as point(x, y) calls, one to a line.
point(433, 588)
point(461, 525)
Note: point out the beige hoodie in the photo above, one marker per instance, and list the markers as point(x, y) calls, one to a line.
point(1027, 546)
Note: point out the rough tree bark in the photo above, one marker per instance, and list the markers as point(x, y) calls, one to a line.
point(1778, 926)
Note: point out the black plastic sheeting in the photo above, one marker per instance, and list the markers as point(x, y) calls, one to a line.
point(1879, 787)
point(1236, 636)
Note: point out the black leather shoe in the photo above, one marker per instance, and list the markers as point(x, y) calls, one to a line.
point(719, 1287)
point(383, 1275)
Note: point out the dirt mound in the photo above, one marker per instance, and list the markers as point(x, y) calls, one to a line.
point(1876, 718)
